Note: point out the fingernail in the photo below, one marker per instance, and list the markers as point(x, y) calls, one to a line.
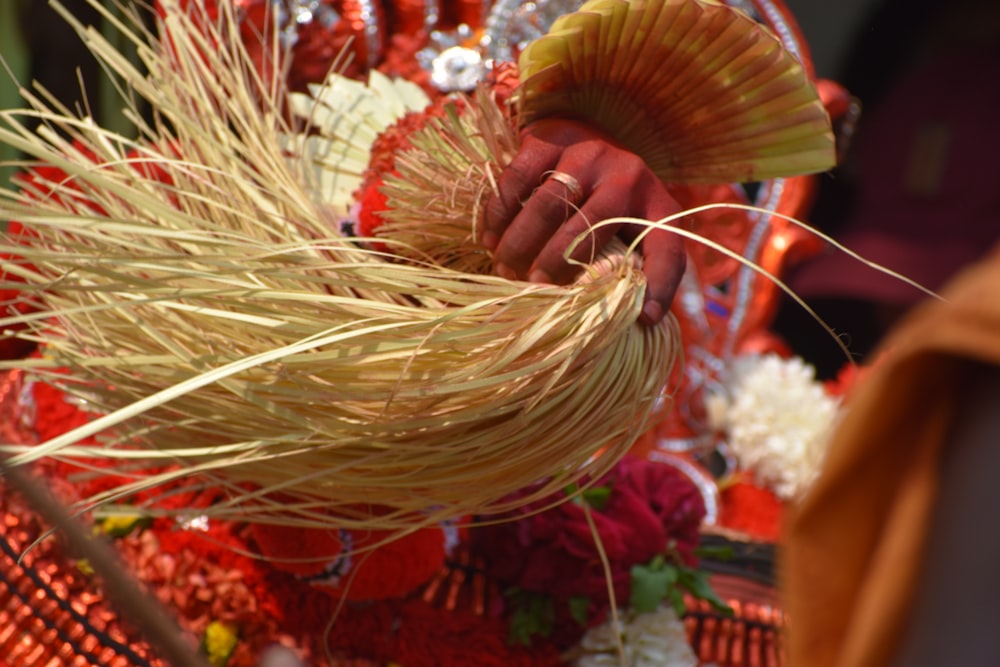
point(539, 276)
point(505, 271)
point(490, 240)
point(652, 312)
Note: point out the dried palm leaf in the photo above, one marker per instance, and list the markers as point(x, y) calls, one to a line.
point(198, 294)
point(698, 89)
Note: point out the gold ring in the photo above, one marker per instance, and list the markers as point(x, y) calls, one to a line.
point(569, 181)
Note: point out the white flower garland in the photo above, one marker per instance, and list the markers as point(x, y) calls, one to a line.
point(655, 639)
point(777, 419)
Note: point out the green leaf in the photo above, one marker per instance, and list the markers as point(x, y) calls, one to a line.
point(533, 616)
point(651, 584)
point(676, 597)
point(720, 552)
point(697, 583)
point(578, 607)
point(597, 497)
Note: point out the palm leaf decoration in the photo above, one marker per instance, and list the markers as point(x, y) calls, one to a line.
point(701, 91)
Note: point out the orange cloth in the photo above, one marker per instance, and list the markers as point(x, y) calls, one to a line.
point(855, 545)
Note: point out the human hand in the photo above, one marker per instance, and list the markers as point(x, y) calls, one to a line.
point(567, 177)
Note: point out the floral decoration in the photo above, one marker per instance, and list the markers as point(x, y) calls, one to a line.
point(649, 639)
point(552, 566)
point(776, 419)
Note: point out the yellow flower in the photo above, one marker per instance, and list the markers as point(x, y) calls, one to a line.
point(219, 642)
point(120, 525)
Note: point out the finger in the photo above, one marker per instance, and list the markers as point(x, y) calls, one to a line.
point(664, 260)
point(536, 224)
point(664, 255)
point(515, 185)
point(542, 146)
point(579, 238)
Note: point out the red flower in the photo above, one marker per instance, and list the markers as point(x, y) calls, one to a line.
point(431, 637)
point(650, 508)
point(751, 510)
point(395, 140)
point(393, 569)
point(354, 565)
point(672, 498)
point(371, 204)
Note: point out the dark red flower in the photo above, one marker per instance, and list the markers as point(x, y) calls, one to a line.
point(432, 637)
point(354, 565)
point(649, 509)
point(670, 495)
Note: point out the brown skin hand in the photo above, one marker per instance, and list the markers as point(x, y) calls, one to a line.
point(535, 218)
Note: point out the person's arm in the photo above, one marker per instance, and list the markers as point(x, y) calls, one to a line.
point(956, 616)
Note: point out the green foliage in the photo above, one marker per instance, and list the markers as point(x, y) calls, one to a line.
point(651, 584)
point(578, 608)
point(596, 497)
point(717, 552)
point(533, 616)
point(662, 581)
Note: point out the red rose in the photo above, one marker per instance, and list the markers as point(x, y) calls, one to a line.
point(671, 496)
point(640, 509)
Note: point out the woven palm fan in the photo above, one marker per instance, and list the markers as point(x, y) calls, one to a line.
point(701, 91)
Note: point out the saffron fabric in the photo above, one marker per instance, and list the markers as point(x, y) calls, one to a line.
point(856, 544)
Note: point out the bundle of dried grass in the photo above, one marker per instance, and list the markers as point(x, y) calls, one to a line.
point(193, 284)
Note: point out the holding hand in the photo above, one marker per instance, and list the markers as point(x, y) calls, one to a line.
point(567, 177)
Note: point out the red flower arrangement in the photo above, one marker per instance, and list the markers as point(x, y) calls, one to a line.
point(387, 146)
point(642, 510)
point(355, 565)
